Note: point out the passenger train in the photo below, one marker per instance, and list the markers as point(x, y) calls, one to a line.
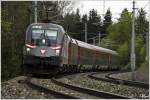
point(49, 50)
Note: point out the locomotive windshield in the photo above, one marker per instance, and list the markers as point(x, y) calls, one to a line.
point(39, 34)
point(51, 34)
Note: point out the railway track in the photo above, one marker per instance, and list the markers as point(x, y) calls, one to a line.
point(48, 91)
point(84, 92)
point(129, 82)
point(99, 94)
point(108, 78)
point(75, 91)
point(58, 94)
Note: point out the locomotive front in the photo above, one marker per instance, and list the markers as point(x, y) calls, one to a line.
point(43, 47)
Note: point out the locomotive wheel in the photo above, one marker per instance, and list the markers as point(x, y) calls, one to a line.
point(72, 68)
point(99, 68)
point(93, 68)
point(96, 69)
point(65, 68)
point(75, 69)
point(61, 70)
point(68, 68)
point(78, 68)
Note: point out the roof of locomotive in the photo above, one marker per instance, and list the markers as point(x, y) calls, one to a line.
point(49, 26)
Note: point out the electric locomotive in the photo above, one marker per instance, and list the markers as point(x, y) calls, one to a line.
point(49, 50)
point(43, 48)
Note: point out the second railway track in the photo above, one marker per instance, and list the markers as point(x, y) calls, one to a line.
point(108, 78)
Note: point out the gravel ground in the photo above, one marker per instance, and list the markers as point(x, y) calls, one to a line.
point(128, 76)
point(83, 81)
point(48, 84)
point(124, 76)
point(13, 90)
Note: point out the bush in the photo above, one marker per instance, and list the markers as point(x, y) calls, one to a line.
point(123, 52)
point(140, 50)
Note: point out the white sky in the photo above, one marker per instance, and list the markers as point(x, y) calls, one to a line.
point(116, 6)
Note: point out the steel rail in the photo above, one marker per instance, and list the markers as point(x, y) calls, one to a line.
point(108, 78)
point(92, 92)
point(48, 91)
point(129, 82)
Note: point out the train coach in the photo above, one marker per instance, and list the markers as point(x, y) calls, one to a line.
point(49, 49)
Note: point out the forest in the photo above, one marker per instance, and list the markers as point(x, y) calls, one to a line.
point(17, 15)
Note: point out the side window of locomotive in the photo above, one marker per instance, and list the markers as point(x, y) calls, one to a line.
point(51, 34)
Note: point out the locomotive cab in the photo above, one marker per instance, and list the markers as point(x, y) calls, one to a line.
point(43, 45)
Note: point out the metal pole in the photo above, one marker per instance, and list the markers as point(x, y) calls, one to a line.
point(147, 46)
point(133, 43)
point(93, 41)
point(103, 7)
point(148, 37)
point(35, 11)
point(99, 38)
point(85, 32)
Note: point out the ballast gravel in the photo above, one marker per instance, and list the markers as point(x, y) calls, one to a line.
point(50, 85)
point(129, 91)
point(11, 89)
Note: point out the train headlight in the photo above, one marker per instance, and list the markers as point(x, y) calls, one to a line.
point(57, 52)
point(28, 49)
point(43, 41)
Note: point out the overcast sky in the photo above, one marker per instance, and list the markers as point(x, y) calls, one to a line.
point(116, 6)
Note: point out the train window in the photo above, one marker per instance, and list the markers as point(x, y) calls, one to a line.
point(51, 34)
point(36, 34)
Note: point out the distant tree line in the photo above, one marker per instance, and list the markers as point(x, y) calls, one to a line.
point(119, 37)
point(76, 28)
point(16, 16)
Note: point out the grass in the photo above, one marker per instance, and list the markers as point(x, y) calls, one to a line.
point(142, 73)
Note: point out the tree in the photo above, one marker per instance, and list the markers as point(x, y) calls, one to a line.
point(73, 28)
point(14, 23)
point(84, 21)
point(118, 37)
point(107, 22)
point(78, 24)
point(94, 24)
point(140, 49)
point(141, 31)
point(142, 24)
